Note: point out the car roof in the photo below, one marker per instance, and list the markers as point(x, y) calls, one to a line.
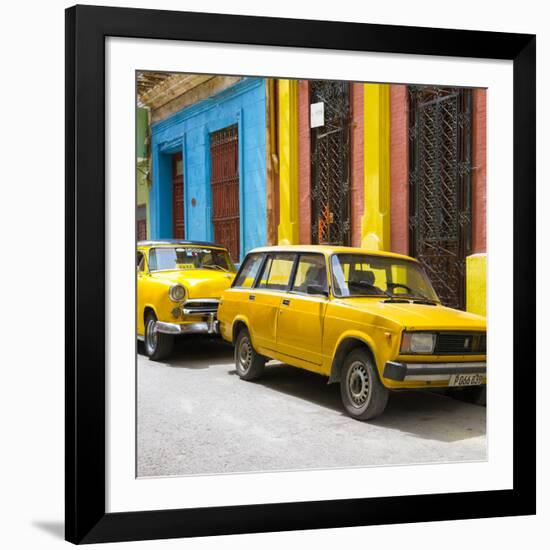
point(172, 242)
point(329, 249)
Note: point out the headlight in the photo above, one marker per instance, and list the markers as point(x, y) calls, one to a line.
point(176, 293)
point(418, 342)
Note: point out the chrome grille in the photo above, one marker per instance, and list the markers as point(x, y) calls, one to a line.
point(460, 343)
point(200, 307)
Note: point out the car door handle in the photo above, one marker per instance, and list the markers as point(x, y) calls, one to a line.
point(251, 297)
point(286, 302)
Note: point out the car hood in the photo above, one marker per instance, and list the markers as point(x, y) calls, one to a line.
point(415, 316)
point(199, 283)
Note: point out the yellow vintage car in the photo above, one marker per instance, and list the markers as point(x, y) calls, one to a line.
point(179, 284)
point(368, 320)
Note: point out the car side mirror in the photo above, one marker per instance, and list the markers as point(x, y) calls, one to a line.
point(317, 290)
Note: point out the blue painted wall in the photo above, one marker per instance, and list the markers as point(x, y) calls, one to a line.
point(189, 131)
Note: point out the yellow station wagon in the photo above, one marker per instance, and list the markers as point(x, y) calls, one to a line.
point(369, 320)
point(179, 284)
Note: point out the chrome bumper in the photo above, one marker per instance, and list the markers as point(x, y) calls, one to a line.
point(431, 371)
point(202, 327)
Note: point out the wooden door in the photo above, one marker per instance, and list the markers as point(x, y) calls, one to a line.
point(178, 219)
point(224, 155)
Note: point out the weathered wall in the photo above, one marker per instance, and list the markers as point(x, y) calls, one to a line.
point(204, 86)
point(357, 171)
point(479, 173)
point(304, 162)
point(476, 264)
point(142, 164)
point(399, 168)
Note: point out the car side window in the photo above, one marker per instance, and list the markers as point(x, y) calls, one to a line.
point(140, 261)
point(152, 260)
point(276, 272)
point(311, 271)
point(248, 272)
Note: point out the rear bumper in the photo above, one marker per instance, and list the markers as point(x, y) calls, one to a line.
point(400, 372)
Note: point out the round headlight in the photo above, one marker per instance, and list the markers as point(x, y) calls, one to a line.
point(177, 293)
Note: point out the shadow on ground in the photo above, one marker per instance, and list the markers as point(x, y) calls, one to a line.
point(191, 352)
point(54, 528)
point(423, 414)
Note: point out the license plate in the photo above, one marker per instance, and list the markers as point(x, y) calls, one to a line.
point(466, 380)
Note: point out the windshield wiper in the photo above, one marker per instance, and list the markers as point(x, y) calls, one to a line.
point(412, 294)
point(212, 266)
point(418, 297)
point(390, 297)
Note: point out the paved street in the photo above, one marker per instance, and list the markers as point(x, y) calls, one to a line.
point(195, 416)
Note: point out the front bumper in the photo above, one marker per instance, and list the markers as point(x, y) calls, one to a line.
point(200, 327)
point(401, 372)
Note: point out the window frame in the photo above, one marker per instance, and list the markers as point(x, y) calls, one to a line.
point(292, 270)
point(262, 256)
point(143, 262)
point(295, 271)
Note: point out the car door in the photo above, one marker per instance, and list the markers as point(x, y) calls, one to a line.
point(235, 303)
point(302, 310)
point(140, 272)
point(266, 297)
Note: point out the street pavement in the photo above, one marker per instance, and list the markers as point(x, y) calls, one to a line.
point(195, 416)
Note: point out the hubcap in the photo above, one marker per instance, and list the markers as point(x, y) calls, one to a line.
point(358, 384)
point(245, 354)
point(151, 336)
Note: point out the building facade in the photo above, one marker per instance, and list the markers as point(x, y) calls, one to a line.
point(391, 167)
point(251, 161)
point(209, 166)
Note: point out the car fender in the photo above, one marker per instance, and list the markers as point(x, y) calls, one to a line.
point(349, 340)
point(241, 319)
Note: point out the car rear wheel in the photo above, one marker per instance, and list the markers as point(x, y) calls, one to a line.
point(248, 362)
point(363, 395)
point(158, 346)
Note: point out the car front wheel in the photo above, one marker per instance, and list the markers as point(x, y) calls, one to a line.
point(158, 346)
point(363, 395)
point(248, 362)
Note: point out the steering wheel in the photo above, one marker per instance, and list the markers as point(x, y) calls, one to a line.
point(399, 285)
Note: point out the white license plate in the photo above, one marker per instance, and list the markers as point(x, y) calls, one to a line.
point(465, 380)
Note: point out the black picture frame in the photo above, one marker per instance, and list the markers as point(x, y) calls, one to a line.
point(86, 30)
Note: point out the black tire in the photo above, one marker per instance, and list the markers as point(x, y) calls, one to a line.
point(477, 395)
point(363, 395)
point(157, 346)
point(249, 363)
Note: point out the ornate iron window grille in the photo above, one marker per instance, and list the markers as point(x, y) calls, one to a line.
point(330, 159)
point(440, 166)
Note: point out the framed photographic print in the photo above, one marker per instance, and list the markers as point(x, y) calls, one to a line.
point(300, 262)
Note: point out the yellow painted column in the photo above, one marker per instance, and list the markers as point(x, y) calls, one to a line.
point(375, 224)
point(288, 231)
point(476, 284)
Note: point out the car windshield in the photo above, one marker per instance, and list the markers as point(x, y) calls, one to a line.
point(371, 275)
point(189, 257)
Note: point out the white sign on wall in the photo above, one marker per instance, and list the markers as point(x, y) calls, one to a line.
point(317, 115)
